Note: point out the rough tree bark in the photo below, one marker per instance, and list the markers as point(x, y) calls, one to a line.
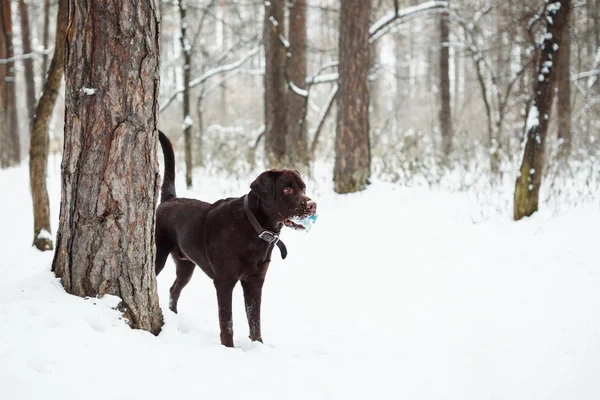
point(275, 84)
point(352, 168)
point(527, 186)
point(564, 96)
point(105, 240)
point(8, 107)
point(297, 147)
point(27, 63)
point(445, 112)
point(38, 149)
point(186, 50)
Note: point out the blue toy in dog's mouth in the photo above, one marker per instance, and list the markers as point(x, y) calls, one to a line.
point(302, 224)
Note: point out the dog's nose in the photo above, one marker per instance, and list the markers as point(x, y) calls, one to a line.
point(312, 207)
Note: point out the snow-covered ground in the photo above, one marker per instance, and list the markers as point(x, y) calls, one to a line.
point(396, 293)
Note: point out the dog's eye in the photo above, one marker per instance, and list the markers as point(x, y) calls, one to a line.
point(288, 190)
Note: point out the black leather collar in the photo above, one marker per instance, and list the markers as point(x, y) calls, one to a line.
point(268, 236)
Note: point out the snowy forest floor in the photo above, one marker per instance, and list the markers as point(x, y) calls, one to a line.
point(395, 293)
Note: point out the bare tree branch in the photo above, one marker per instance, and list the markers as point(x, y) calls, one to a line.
point(209, 74)
point(380, 27)
point(33, 54)
point(323, 116)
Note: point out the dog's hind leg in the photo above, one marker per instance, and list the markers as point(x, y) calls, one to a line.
point(162, 253)
point(185, 270)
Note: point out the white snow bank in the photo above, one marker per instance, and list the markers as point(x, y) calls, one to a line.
point(395, 293)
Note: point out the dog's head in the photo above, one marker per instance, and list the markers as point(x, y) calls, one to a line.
point(283, 193)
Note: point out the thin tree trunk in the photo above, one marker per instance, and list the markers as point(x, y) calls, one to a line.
point(4, 138)
point(564, 96)
point(224, 117)
point(200, 133)
point(445, 112)
point(27, 63)
point(596, 39)
point(38, 149)
point(352, 168)
point(527, 185)
point(105, 240)
point(46, 36)
point(13, 151)
point(596, 19)
point(187, 118)
point(297, 146)
point(275, 84)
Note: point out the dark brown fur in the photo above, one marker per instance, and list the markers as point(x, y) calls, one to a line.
point(220, 240)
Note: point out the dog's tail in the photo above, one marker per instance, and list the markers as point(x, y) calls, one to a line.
point(168, 187)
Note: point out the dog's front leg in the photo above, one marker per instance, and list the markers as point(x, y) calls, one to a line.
point(224, 294)
point(252, 298)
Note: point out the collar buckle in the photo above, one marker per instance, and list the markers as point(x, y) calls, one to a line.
point(269, 236)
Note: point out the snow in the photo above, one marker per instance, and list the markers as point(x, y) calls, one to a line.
point(395, 293)
point(284, 42)
point(44, 234)
point(553, 7)
point(323, 78)
point(532, 118)
point(187, 121)
point(89, 91)
point(299, 91)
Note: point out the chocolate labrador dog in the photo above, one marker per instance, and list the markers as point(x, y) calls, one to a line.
point(231, 240)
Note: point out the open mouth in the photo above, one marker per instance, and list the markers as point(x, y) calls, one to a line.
point(291, 224)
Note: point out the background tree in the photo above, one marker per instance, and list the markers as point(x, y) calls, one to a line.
point(352, 168)
point(186, 50)
point(38, 149)
point(46, 35)
point(275, 83)
point(564, 94)
point(527, 187)
point(297, 147)
point(8, 96)
point(28, 63)
point(105, 241)
point(445, 112)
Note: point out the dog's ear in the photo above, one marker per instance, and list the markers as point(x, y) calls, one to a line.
point(264, 186)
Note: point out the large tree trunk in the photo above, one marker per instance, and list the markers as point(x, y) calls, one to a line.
point(186, 50)
point(445, 112)
point(527, 186)
point(8, 94)
point(105, 241)
point(28, 63)
point(275, 83)
point(352, 168)
point(297, 147)
point(38, 149)
point(564, 96)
